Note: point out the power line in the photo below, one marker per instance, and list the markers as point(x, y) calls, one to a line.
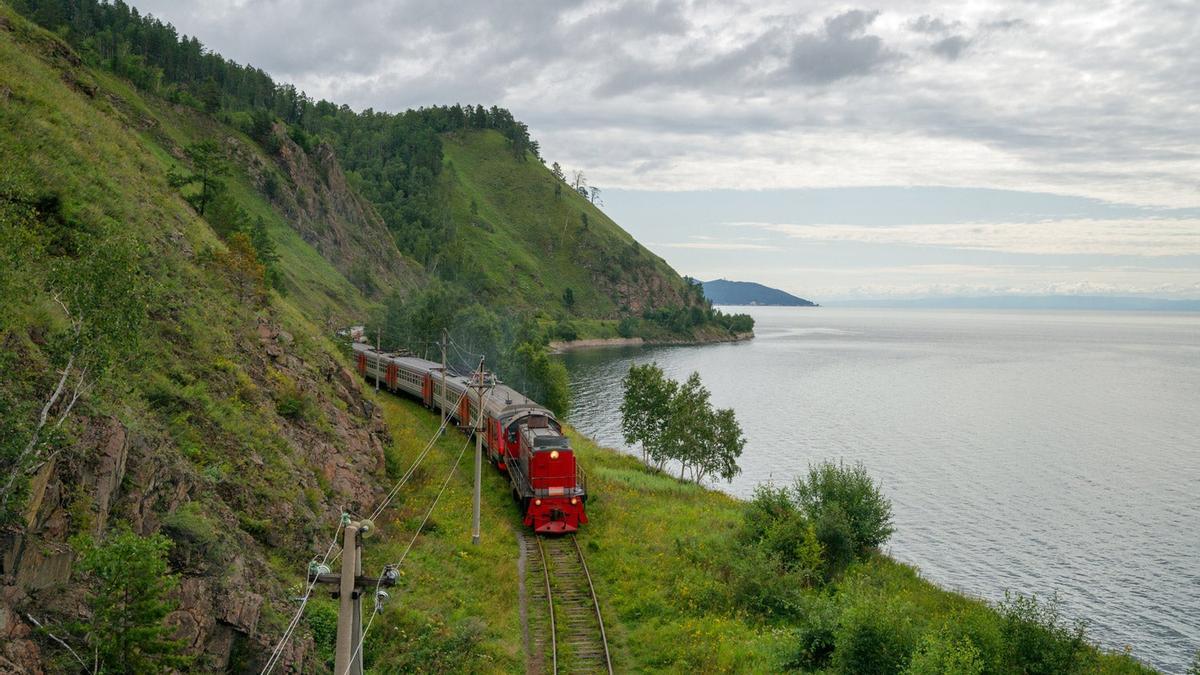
point(396, 566)
point(421, 457)
point(277, 653)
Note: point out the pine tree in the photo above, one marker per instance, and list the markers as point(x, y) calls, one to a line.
point(131, 583)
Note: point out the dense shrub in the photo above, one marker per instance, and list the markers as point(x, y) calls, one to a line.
point(835, 534)
point(322, 618)
point(565, 330)
point(756, 584)
point(1038, 639)
point(943, 654)
point(875, 636)
point(628, 327)
point(198, 538)
point(128, 600)
point(833, 492)
point(816, 633)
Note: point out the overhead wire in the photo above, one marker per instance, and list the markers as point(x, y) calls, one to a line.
point(396, 566)
point(277, 652)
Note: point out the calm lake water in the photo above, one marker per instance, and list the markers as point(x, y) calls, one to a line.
point(1033, 451)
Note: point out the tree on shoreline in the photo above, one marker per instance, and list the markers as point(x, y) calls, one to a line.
point(677, 423)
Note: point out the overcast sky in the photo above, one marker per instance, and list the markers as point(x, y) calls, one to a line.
point(1047, 147)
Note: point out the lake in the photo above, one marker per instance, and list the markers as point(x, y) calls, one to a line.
point(1038, 452)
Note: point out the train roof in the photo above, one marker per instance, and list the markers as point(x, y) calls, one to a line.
point(503, 402)
point(545, 438)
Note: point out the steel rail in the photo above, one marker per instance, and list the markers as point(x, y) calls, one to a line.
point(550, 604)
point(595, 603)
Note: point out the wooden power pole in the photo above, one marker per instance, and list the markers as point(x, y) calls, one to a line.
point(347, 600)
point(351, 584)
point(443, 404)
point(481, 385)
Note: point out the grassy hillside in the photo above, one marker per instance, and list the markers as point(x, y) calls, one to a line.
point(528, 243)
point(198, 402)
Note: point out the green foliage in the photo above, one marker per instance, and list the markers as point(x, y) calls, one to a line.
point(512, 347)
point(129, 598)
point(627, 327)
point(209, 168)
point(199, 543)
point(431, 645)
point(677, 423)
point(1194, 668)
point(833, 492)
point(875, 637)
point(322, 621)
point(75, 301)
point(645, 409)
point(815, 637)
point(1038, 639)
point(943, 654)
point(565, 330)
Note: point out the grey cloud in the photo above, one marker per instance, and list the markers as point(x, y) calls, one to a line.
point(700, 81)
point(1004, 24)
point(951, 48)
point(844, 50)
point(932, 25)
point(768, 59)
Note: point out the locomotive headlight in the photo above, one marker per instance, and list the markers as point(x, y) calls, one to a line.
point(574, 500)
point(553, 454)
point(537, 502)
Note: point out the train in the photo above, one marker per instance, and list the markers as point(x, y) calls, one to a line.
point(523, 439)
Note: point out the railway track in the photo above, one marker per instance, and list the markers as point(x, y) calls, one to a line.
point(571, 638)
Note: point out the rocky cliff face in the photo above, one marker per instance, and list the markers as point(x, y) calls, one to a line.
point(319, 203)
point(115, 472)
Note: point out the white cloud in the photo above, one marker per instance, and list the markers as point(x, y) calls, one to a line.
point(1145, 237)
point(716, 246)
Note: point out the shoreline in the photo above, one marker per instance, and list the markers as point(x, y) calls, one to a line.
point(563, 346)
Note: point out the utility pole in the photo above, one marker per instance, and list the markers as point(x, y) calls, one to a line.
point(481, 386)
point(351, 584)
point(347, 599)
point(445, 337)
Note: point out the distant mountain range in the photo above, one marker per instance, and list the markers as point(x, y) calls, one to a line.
point(1059, 302)
point(725, 292)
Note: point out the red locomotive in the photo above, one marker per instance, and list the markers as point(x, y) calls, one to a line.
point(522, 438)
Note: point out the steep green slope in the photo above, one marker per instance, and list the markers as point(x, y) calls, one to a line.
point(197, 402)
point(530, 243)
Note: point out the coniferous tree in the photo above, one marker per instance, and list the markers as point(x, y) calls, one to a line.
point(209, 167)
point(130, 584)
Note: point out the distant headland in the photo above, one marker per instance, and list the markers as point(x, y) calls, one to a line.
point(726, 292)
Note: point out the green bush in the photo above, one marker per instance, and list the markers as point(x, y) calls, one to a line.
point(943, 654)
point(816, 633)
point(875, 637)
point(627, 327)
point(199, 543)
point(1194, 669)
point(129, 597)
point(1037, 638)
point(565, 330)
point(836, 536)
point(322, 618)
point(832, 492)
point(757, 583)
